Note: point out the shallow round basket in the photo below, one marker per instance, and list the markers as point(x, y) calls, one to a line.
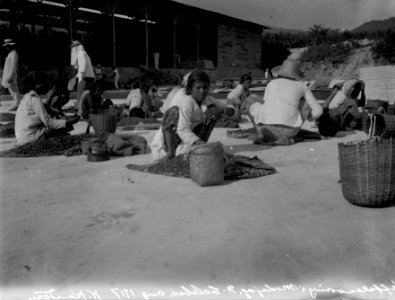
point(367, 172)
point(240, 133)
point(104, 122)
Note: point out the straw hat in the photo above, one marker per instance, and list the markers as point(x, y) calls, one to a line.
point(75, 44)
point(8, 42)
point(290, 68)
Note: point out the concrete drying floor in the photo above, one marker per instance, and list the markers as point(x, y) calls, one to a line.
point(88, 230)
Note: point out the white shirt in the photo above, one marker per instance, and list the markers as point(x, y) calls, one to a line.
point(282, 98)
point(190, 116)
point(175, 93)
point(32, 120)
point(134, 99)
point(84, 65)
point(343, 94)
point(116, 74)
point(10, 69)
point(238, 94)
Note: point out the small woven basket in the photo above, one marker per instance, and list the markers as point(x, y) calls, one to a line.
point(389, 125)
point(374, 106)
point(367, 172)
point(104, 122)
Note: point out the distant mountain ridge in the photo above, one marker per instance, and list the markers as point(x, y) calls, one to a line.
point(376, 25)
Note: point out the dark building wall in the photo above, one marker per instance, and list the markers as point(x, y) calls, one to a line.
point(238, 49)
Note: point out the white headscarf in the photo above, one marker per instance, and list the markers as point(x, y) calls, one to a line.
point(185, 79)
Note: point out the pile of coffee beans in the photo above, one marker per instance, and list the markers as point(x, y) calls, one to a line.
point(235, 167)
point(7, 130)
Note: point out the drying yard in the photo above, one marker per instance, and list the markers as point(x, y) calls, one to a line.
point(73, 229)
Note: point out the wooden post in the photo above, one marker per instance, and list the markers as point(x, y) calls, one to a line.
point(113, 39)
point(175, 20)
point(69, 2)
point(113, 6)
point(146, 42)
point(197, 45)
point(146, 13)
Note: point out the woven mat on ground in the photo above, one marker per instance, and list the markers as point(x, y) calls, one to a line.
point(300, 137)
point(236, 167)
point(142, 126)
point(7, 130)
point(135, 121)
point(226, 122)
point(7, 117)
point(241, 133)
point(65, 145)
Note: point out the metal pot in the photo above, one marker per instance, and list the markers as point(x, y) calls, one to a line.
point(98, 153)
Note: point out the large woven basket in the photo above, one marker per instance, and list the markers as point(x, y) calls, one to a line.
point(367, 172)
point(104, 122)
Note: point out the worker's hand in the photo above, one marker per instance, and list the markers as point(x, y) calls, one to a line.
point(214, 112)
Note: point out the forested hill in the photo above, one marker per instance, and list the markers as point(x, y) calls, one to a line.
point(376, 25)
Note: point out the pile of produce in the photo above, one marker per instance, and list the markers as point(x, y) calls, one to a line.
point(64, 145)
point(7, 130)
point(235, 167)
point(7, 117)
point(226, 122)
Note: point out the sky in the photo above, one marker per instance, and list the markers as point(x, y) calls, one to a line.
point(302, 14)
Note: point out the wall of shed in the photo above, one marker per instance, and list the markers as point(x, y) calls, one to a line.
point(239, 51)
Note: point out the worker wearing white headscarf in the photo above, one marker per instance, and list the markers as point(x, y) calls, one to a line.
point(82, 63)
point(9, 79)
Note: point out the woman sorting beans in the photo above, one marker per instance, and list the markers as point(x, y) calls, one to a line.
point(32, 121)
point(190, 120)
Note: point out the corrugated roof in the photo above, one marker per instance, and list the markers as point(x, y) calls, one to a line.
point(379, 83)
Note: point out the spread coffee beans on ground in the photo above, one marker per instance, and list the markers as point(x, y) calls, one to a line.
point(235, 167)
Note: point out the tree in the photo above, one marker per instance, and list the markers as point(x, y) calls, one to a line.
point(318, 34)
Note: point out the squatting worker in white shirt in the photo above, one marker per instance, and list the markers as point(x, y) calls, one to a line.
point(82, 63)
point(190, 120)
point(288, 102)
point(32, 121)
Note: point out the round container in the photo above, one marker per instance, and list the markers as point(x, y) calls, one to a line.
point(86, 144)
point(98, 153)
point(206, 164)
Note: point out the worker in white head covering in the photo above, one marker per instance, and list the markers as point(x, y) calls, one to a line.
point(9, 78)
point(82, 63)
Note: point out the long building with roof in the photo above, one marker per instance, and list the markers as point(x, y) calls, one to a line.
point(128, 33)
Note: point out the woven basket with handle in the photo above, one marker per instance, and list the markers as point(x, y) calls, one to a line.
point(367, 172)
point(104, 122)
